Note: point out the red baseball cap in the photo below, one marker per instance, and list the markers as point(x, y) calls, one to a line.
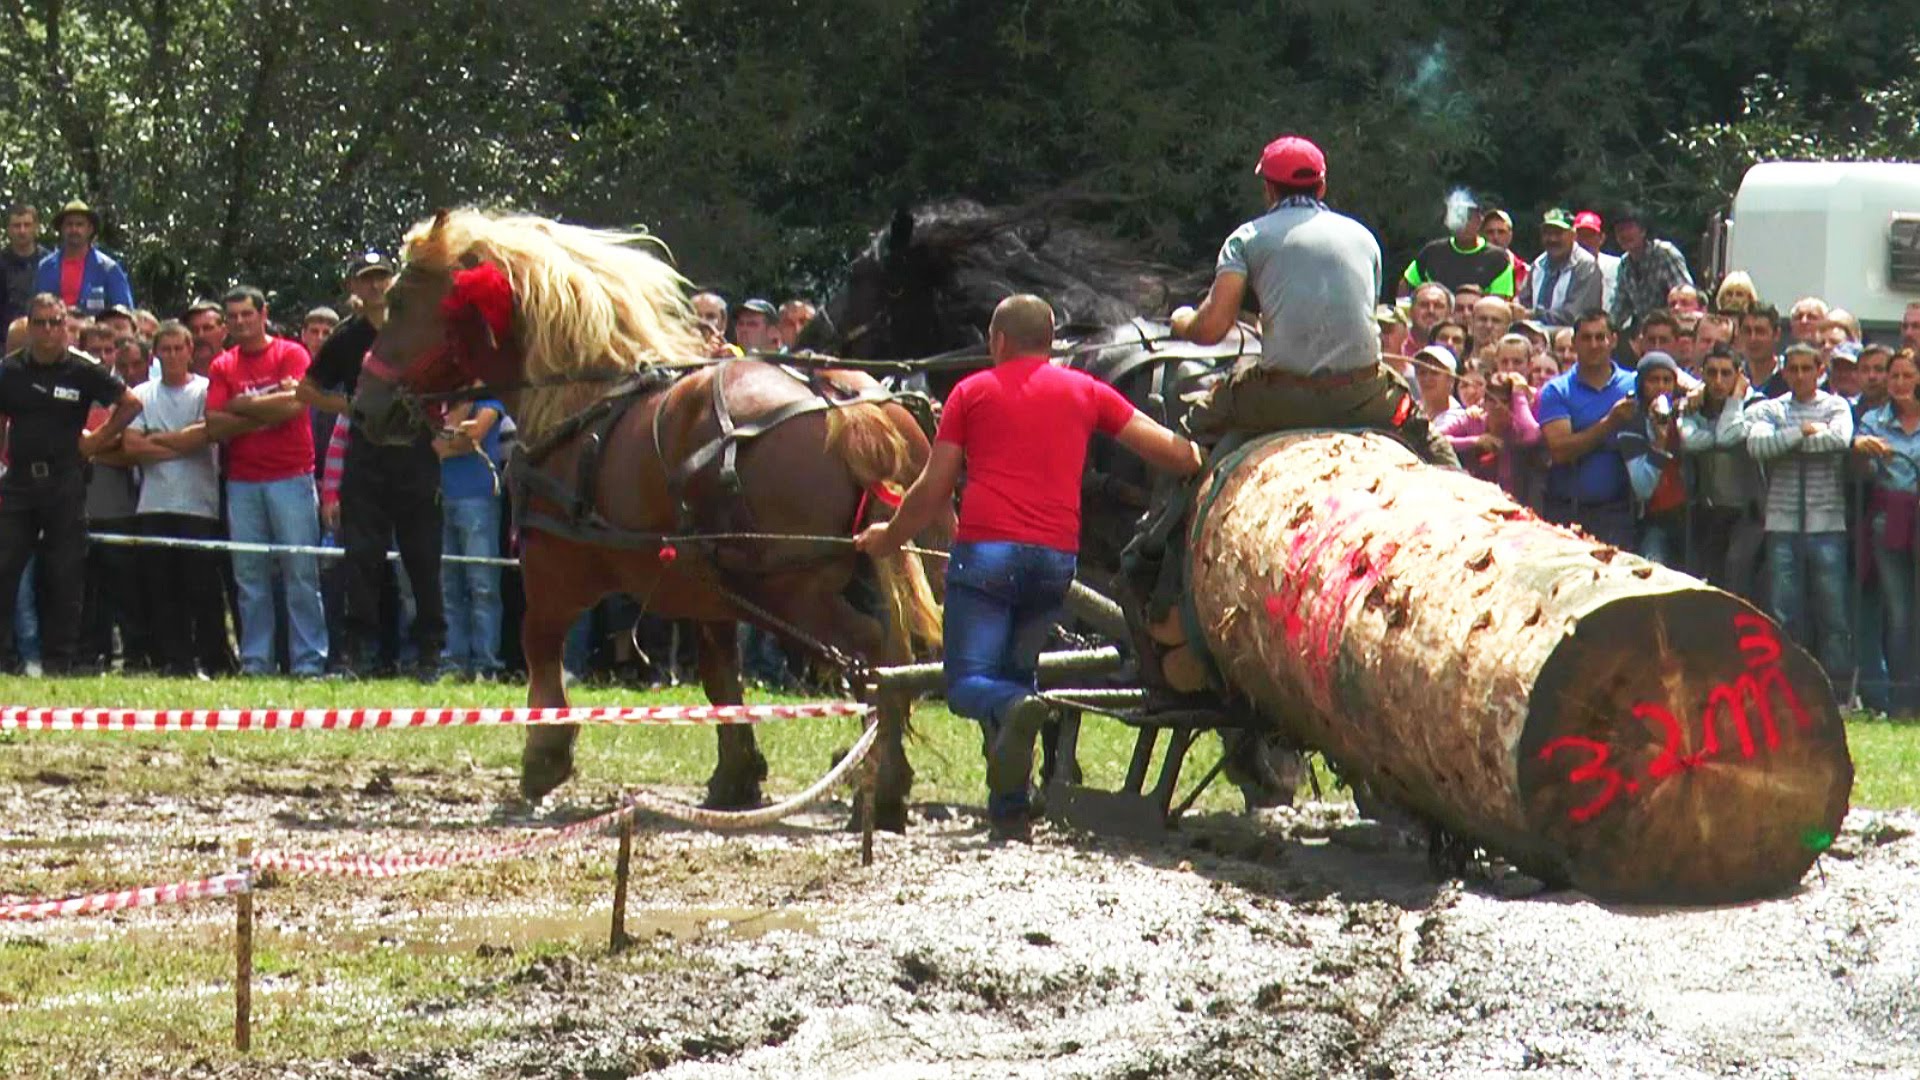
point(1292, 160)
point(1587, 219)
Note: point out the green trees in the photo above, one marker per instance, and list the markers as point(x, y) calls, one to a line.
point(765, 138)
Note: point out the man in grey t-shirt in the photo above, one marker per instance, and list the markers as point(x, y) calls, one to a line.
point(180, 498)
point(1317, 276)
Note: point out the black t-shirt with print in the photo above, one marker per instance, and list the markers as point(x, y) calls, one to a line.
point(46, 407)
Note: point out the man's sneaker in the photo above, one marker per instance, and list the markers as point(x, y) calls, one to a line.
point(1010, 760)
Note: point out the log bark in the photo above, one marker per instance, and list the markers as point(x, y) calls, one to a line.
point(1589, 715)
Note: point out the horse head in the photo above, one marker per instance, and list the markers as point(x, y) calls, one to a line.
point(450, 318)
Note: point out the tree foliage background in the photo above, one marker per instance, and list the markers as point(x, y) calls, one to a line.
point(266, 140)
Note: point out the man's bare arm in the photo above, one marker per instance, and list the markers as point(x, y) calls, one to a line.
point(222, 425)
point(1217, 314)
point(932, 492)
point(311, 394)
point(269, 409)
point(1159, 446)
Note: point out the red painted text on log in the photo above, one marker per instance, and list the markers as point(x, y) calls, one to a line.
point(1734, 703)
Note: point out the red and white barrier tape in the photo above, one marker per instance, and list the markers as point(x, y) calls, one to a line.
point(179, 892)
point(30, 718)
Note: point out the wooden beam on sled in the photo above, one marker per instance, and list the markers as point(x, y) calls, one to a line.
point(1054, 667)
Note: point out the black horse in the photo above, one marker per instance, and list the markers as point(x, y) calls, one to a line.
point(926, 286)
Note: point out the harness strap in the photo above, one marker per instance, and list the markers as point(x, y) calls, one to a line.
point(729, 448)
point(731, 438)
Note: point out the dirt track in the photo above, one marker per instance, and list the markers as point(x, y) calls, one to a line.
point(1290, 947)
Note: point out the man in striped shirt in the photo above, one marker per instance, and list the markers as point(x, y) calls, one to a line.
point(1802, 437)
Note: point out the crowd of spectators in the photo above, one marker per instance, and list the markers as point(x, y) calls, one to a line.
point(227, 424)
point(1776, 456)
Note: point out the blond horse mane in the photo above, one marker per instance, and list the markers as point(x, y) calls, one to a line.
point(586, 301)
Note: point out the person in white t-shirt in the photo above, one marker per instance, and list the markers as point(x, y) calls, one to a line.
point(180, 498)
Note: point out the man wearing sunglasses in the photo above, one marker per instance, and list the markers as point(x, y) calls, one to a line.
point(46, 390)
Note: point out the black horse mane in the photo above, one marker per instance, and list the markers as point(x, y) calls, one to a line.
point(944, 265)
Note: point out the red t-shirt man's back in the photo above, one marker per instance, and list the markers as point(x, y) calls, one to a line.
point(1023, 426)
point(282, 451)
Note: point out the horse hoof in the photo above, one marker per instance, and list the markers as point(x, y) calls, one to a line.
point(540, 774)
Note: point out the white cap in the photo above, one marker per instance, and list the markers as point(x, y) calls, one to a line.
point(1441, 355)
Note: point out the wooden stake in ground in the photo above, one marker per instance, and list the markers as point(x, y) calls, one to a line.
point(617, 938)
point(243, 954)
point(1585, 713)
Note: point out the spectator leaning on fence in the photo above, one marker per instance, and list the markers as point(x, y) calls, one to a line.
point(180, 498)
point(85, 278)
point(1802, 436)
point(114, 598)
point(253, 409)
point(1580, 412)
point(1728, 487)
point(469, 457)
point(46, 390)
point(1888, 444)
point(1651, 444)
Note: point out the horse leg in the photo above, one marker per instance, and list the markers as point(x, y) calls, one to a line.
point(826, 613)
point(735, 783)
point(547, 758)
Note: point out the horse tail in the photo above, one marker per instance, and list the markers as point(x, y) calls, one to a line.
point(873, 448)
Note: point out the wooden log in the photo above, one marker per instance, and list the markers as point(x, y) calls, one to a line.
point(1587, 714)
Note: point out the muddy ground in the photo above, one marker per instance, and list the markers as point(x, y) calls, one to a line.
point(1299, 945)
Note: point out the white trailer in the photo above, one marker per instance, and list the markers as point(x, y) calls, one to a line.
point(1845, 231)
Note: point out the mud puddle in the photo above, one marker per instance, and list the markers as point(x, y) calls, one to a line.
point(1302, 945)
point(505, 931)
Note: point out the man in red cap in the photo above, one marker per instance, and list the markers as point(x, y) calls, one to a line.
point(1317, 275)
point(1590, 232)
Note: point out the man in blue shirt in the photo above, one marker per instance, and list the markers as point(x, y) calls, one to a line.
point(1580, 413)
point(80, 274)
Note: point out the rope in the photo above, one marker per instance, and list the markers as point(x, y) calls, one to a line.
point(765, 815)
point(338, 553)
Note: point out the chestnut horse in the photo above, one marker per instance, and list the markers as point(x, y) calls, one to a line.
point(631, 442)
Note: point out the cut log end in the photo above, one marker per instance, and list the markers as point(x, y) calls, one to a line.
point(1679, 749)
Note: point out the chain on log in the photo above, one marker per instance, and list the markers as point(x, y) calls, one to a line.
point(1583, 712)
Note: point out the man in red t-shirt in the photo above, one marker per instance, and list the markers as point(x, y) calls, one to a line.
point(252, 407)
point(1021, 430)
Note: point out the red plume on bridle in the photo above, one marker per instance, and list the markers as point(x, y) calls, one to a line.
point(486, 290)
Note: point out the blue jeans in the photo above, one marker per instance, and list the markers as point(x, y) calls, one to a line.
point(1895, 595)
point(1663, 540)
point(1824, 556)
point(1002, 600)
point(26, 617)
point(278, 512)
point(472, 591)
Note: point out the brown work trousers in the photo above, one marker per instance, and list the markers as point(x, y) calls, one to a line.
point(1259, 401)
